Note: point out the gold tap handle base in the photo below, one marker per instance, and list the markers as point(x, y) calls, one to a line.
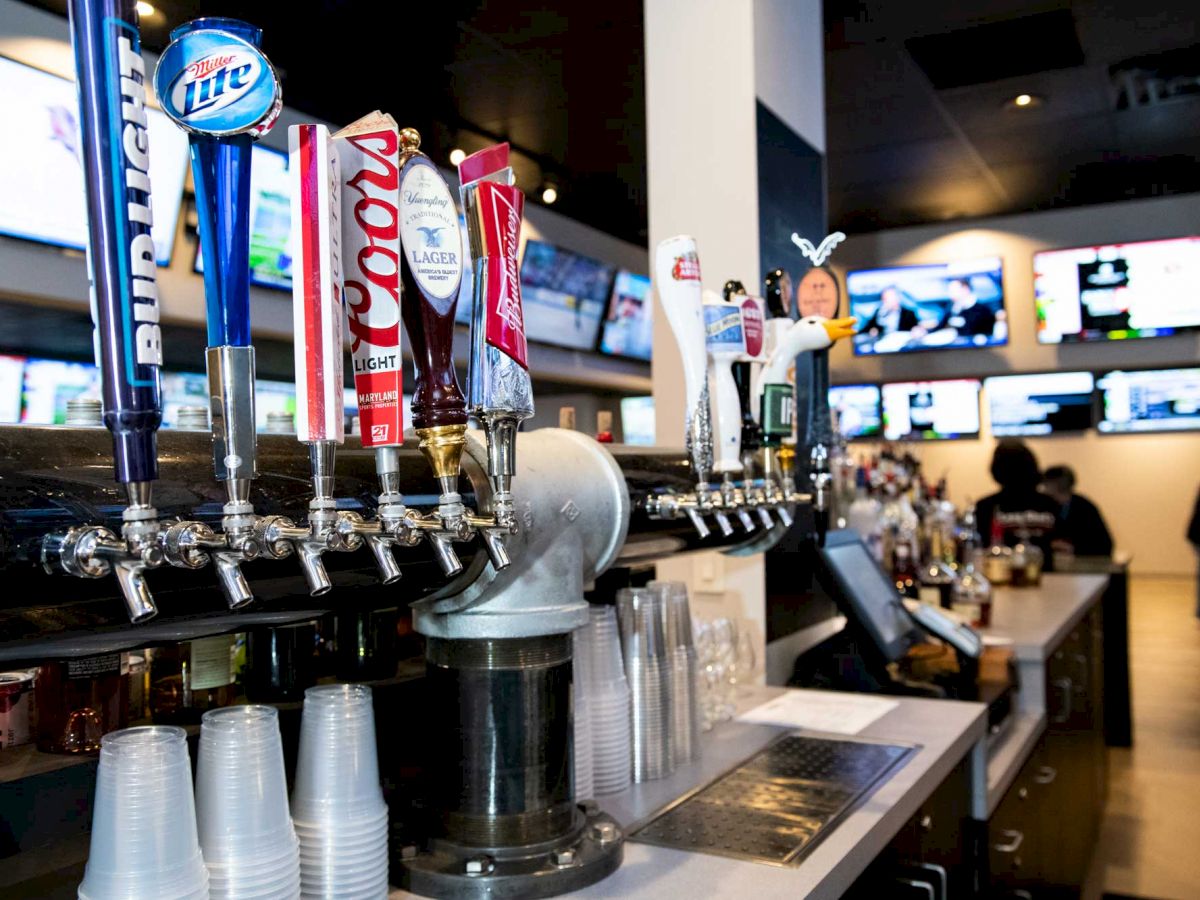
point(443, 446)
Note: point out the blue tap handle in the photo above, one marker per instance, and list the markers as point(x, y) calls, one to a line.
point(113, 130)
point(221, 173)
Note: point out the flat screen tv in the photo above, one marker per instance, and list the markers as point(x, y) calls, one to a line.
point(1153, 400)
point(629, 326)
point(938, 306)
point(564, 294)
point(931, 410)
point(856, 410)
point(1038, 405)
point(47, 385)
point(1113, 292)
point(41, 169)
point(270, 220)
point(12, 375)
point(637, 420)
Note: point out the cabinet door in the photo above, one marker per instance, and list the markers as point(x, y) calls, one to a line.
point(1015, 838)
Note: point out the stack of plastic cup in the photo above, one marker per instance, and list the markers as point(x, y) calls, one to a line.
point(609, 704)
point(144, 820)
point(647, 666)
point(585, 787)
point(337, 804)
point(242, 811)
point(682, 671)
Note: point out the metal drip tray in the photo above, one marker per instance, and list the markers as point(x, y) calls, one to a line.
point(775, 807)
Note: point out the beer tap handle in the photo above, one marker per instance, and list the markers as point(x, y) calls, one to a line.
point(725, 341)
point(431, 272)
point(677, 281)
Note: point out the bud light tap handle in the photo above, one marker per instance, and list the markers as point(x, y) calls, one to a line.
point(121, 258)
point(215, 84)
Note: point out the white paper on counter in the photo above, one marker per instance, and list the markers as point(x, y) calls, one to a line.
point(833, 711)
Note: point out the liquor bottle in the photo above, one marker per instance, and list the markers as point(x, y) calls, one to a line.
point(972, 596)
point(78, 701)
point(904, 568)
point(604, 422)
point(188, 679)
point(937, 578)
point(281, 662)
point(998, 560)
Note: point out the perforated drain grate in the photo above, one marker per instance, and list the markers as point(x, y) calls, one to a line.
point(775, 807)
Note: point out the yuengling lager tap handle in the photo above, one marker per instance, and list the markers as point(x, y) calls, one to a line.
point(431, 272)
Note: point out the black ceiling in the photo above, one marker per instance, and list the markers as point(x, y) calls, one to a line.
point(915, 93)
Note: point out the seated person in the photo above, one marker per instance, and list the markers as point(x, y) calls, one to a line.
point(1018, 512)
point(890, 316)
point(1081, 530)
point(967, 316)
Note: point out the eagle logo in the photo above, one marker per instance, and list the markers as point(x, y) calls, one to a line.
point(433, 236)
point(821, 252)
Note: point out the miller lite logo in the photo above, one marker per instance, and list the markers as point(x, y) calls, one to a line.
point(213, 82)
point(687, 267)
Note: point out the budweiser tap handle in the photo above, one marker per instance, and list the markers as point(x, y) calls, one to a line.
point(121, 259)
point(677, 279)
point(317, 284)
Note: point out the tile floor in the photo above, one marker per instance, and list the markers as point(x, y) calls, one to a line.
point(1150, 838)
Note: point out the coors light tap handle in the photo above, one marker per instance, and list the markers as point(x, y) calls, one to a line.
point(677, 279)
point(121, 259)
point(431, 271)
point(498, 384)
point(215, 84)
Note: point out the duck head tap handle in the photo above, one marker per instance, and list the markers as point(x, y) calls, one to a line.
point(369, 159)
point(677, 279)
point(499, 390)
point(431, 270)
point(725, 340)
point(121, 264)
point(214, 82)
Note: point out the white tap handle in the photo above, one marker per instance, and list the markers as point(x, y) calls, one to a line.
point(677, 278)
point(726, 342)
point(773, 334)
point(317, 304)
point(801, 336)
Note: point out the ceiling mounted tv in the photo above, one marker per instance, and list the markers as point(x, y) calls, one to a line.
point(629, 325)
point(41, 168)
point(857, 411)
point(1149, 400)
point(939, 306)
point(931, 410)
point(1113, 292)
point(270, 220)
point(1037, 405)
point(564, 295)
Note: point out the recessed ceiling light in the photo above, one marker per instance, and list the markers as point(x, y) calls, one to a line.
point(457, 155)
point(1025, 101)
point(549, 194)
point(144, 9)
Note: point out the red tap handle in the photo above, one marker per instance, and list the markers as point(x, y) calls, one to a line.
point(431, 273)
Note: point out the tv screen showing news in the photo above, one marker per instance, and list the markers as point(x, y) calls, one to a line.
point(41, 167)
point(856, 410)
point(929, 307)
point(1156, 400)
point(1117, 291)
point(931, 410)
point(1036, 405)
point(564, 295)
point(629, 325)
point(270, 220)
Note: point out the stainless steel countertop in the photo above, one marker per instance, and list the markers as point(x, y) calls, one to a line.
point(945, 732)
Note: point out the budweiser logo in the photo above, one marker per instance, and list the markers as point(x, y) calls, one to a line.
point(507, 224)
point(686, 268)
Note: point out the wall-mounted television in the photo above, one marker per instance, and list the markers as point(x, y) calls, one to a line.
point(637, 420)
point(629, 326)
point(47, 385)
point(12, 379)
point(270, 220)
point(931, 410)
point(564, 294)
point(928, 307)
point(1117, 291)
point(856, 409)
point(41, 167)
point(1042, 404)
point(1149, 400)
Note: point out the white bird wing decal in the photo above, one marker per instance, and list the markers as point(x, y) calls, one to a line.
point(819, 254)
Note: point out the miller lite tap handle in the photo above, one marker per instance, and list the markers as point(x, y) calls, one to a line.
point(677, 279)
point(317, 284)
point(726, 342)
point(431, 272)
point(121, 260)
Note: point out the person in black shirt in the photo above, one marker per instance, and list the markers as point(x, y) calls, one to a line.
point(1018, 512)
point(966, 315)
point(1081, 529)
point(890, 316)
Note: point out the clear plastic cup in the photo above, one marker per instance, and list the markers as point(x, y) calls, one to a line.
point(337, 771)
point(144, 840)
